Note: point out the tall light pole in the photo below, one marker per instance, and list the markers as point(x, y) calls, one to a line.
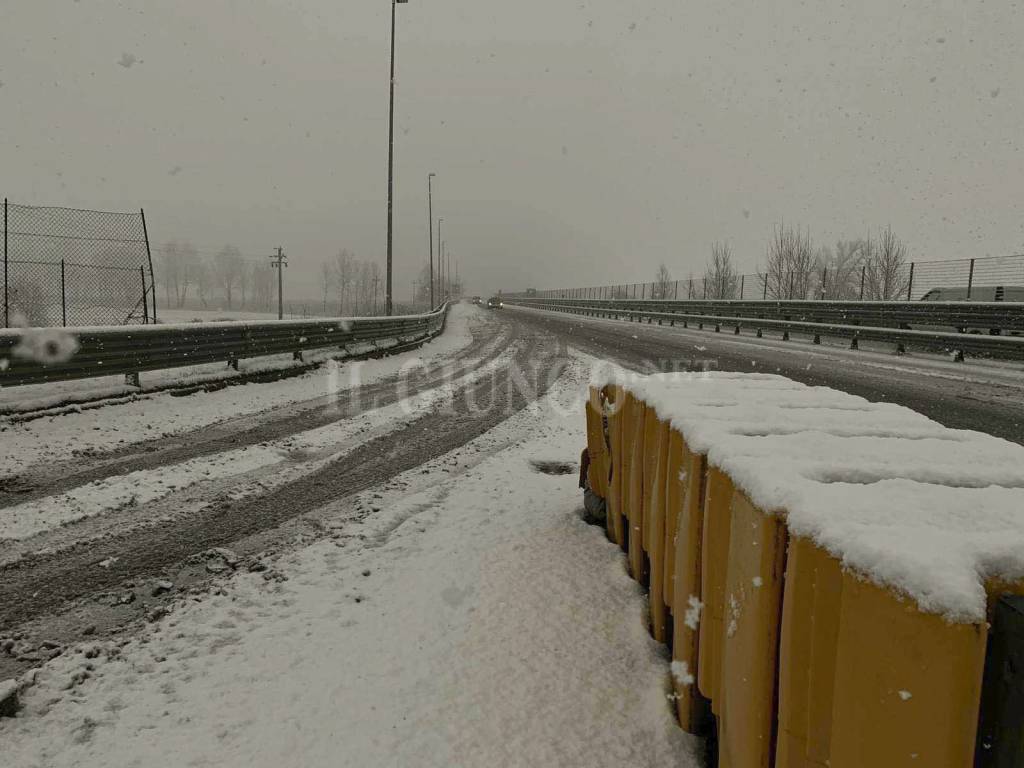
point(391, 155)
point(280, 261)
point(430, 218)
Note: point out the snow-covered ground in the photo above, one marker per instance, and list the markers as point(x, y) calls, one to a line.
point(62, 436)
point(472, 620)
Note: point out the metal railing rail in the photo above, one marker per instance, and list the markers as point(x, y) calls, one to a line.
point(1004, 317)
point(959, 344)
point(132, 349)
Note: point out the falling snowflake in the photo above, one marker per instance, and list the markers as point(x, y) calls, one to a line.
point(127, 59)
point(46, 346)
point(692, 616)
point(681, 673)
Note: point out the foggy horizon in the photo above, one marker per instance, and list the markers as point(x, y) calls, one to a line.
point(573, 145)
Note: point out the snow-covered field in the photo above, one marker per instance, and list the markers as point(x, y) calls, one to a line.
point(473, 620)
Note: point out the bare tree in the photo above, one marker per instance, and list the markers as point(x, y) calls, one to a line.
point(228, 266)
point(886, 274)
point(326, 281)
point(662, 282)
point(720, 276)
point(790, 264)
point(344, 275)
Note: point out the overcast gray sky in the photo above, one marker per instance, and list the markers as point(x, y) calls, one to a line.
point(574, 142)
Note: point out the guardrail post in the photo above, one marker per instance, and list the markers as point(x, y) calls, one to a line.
point(133, 379)
point(7, 320)
point(63, 296)
point(145, 300)
point(970, 279)
point(910, 281)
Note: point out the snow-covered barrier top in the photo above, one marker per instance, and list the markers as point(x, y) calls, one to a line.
point(931, 512)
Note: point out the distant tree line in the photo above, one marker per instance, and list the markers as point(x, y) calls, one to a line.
point(872, 267)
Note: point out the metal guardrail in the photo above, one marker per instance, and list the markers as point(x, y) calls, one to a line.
point(953, 315)
point(869, 321)
point(133, 349)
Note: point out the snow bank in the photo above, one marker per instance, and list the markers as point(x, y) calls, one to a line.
point(931, 512)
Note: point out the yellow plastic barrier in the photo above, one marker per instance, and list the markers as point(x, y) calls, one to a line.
point(683, 531)
point(907, 685)
point(805, 664)
point(745, 697)
point(714, 558)
point(653, 526)
point(631, 454)
point(635, 453)
point(807, 656)
point(597, 448)
point(615, 399)
point(866, 678)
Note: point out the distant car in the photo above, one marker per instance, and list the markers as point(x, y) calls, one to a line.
point(477, 300)
point(978, 293)
point(1013, 293)
point(495, 303)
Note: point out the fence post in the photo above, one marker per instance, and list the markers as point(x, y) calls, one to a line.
point(675, 296)
point(970, 279)
point(792, 286)
point(766, 286)
point(149, 256)
point(910, 282)
point(863, 269)
point(643, 291)
point(145, 304)
point(824, 283)
point(7, 321)
point(63, 297)
point(743, 280)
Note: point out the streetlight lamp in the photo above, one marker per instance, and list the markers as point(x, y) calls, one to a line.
point(391, 155)
point(430, 218)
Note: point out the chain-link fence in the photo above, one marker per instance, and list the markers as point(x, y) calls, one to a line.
point(997, 278)
point(68, 266)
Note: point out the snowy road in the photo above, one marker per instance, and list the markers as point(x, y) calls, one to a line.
point(89, 518)
point(426, 595)
point(987, 397)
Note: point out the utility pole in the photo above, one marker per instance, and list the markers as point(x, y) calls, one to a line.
point(430, 218)
point(279, 261)
point(391, 153)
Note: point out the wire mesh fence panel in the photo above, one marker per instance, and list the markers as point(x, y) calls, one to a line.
point(996, 278)
point(68, 266)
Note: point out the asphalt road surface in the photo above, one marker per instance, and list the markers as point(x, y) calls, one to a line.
point(983, 396)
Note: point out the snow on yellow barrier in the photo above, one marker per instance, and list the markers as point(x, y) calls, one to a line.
point(842, 557)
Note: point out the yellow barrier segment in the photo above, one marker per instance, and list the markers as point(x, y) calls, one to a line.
point(615, 398)
point(597, 448)
point(630, 406)
point(683, 535)
point(807, 656)
point(635, 452)
point(714, 558)
point(656, 459)
point(907, 684)
point(750, 643)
